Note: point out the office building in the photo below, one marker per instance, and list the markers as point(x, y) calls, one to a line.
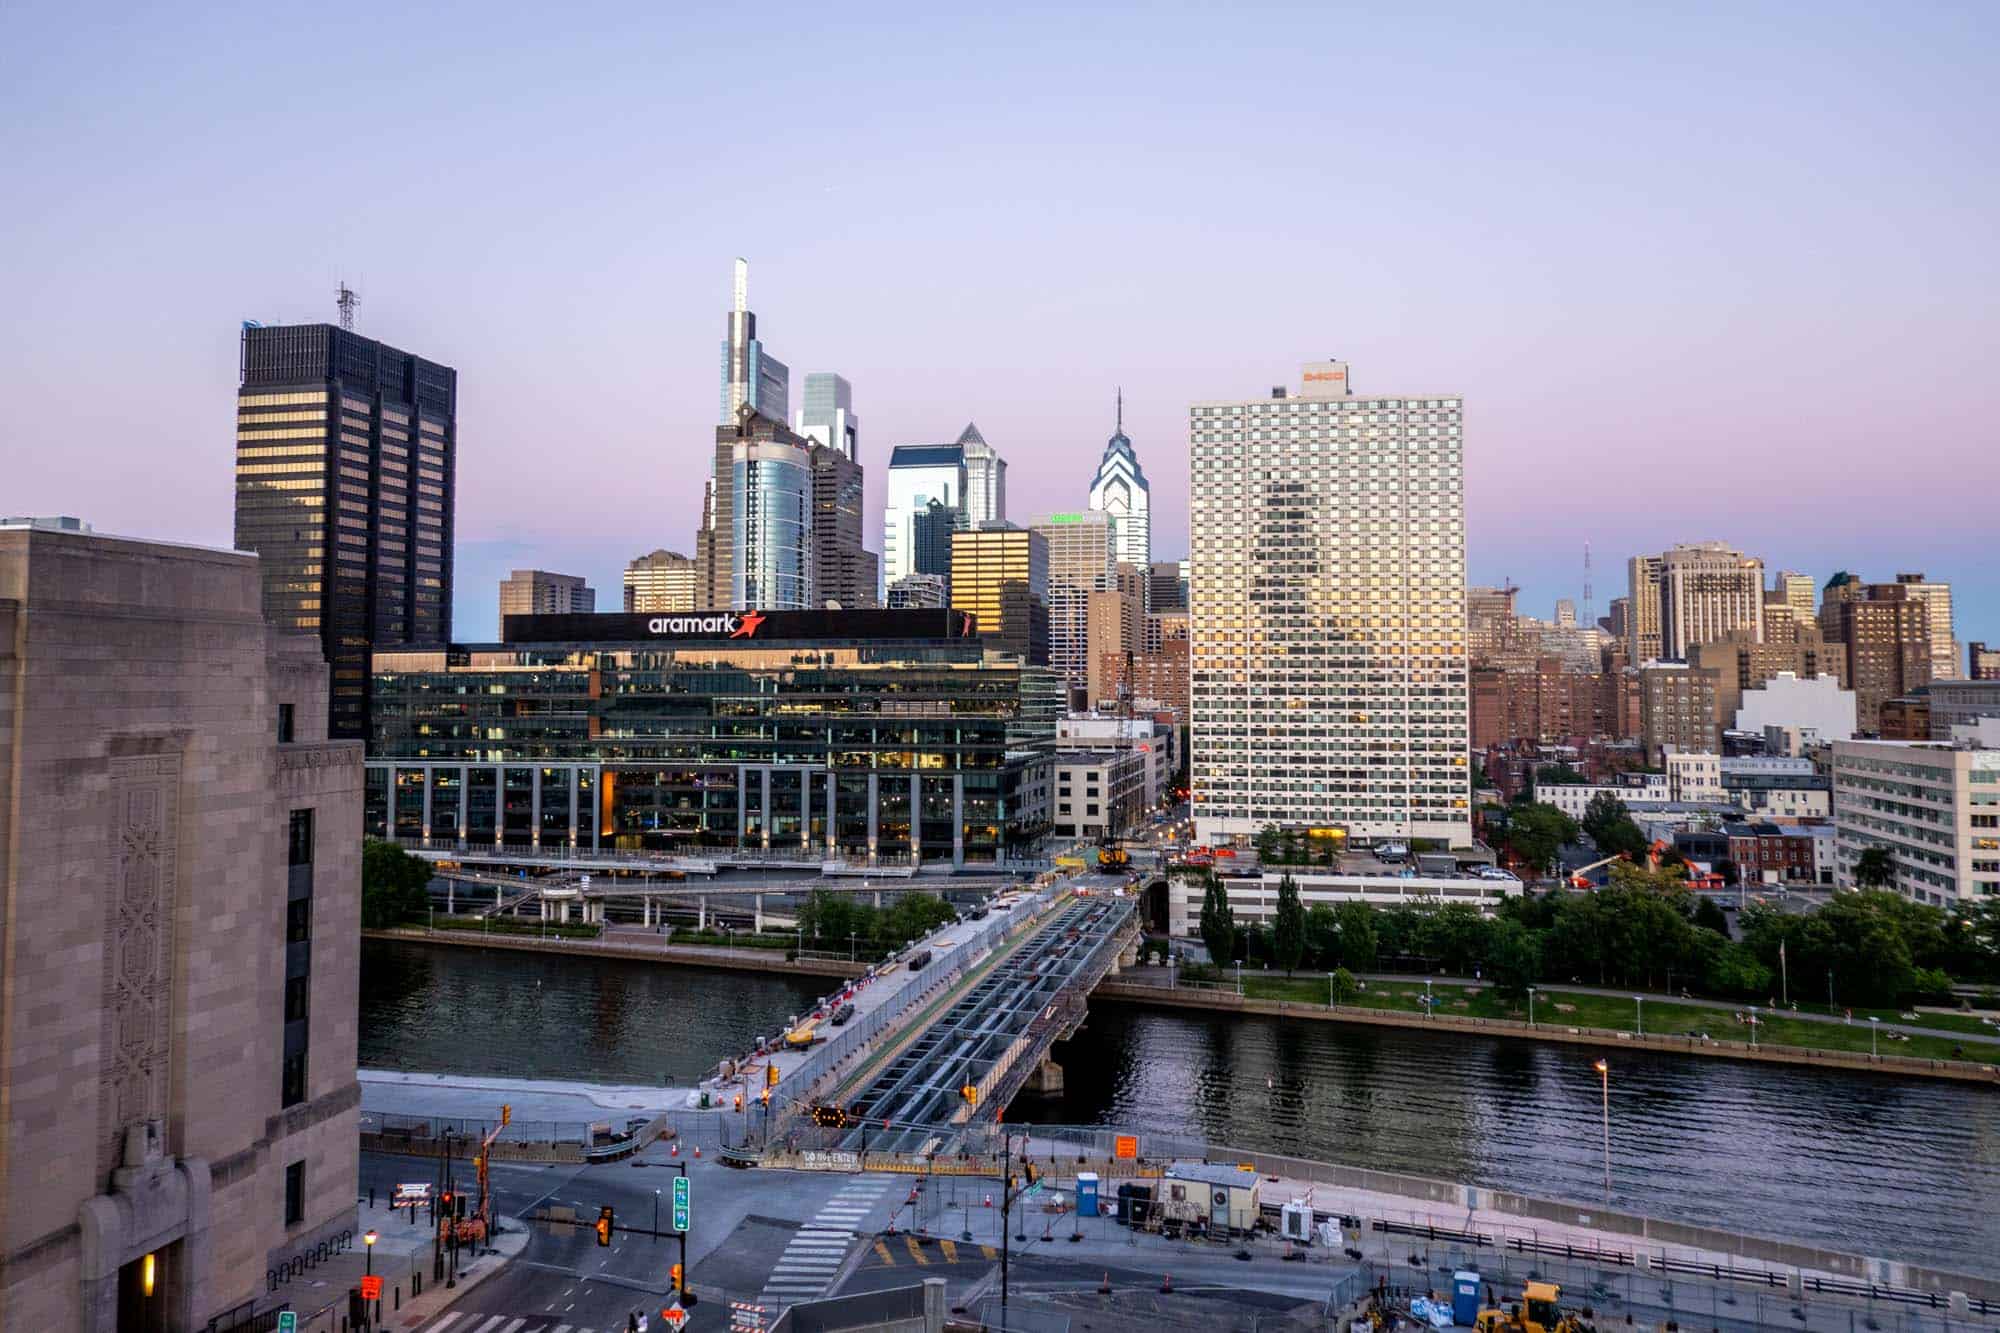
point(1489, 621)
point(537, 592)
point(985, 479)
point(1885, 630)
point(346, 459)
point(842, 733)
point(772, 489)
point(1110, 638)
point(1934, 808)
point(845, 573)
point(930, 538)
point(1743, 663)
point(1708, 591)
point(1120, 492)
point(750, 377)
point(1081, 556)
point(827, 418)
point(1158, 676)
point(1098, 793)
point(918, 474)
point(1327, 595)
point(1615, 619)
point(1960, 703)
point(1677, 709)
point(1642, 608)
point(1791, 597)
point(1000, 577)
point(1936, 598)
point(1812, 706)
point(1167, 587)
point(1981, 662)
point(663, 581)
point(915, 591)
point(183, 861)
point(1565, 613)
point(1905, 719)
point(1153, 740)
point(1774, 787)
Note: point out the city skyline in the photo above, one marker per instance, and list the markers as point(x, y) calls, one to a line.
point(1012, 296)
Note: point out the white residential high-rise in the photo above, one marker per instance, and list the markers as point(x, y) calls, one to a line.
point(1327, 598)
point(1120, 493)
point(828, 415)
point(918, 474)
point(985, 479)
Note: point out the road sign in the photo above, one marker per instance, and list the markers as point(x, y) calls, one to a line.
point(371, 1288)
point(674, 1316)
point(683, 1204)
point(1125, 1147)
point(288, 1321)
point(1032, 1190)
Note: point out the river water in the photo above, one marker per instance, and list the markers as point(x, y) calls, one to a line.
point(1903, 1169)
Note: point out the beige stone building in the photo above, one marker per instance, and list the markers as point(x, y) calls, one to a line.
point(179, 955)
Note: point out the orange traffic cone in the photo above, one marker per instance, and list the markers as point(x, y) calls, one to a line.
point(674, 1151)
point(1104, 1287)
point(697, 1150)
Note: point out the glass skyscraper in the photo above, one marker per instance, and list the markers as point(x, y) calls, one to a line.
point(1327, 593)
point(346, 457)
point(772, 562)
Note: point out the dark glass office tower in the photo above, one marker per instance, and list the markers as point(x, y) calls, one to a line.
point(346, 455)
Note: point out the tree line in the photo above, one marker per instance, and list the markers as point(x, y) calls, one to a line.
point(838, 920)
point(1644, 930)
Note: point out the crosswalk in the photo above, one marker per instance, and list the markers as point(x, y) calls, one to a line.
point(459, 1322)
point(816, 1251)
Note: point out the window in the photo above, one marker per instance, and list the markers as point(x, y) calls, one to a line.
point(295, 1194)
point(296, 993)
point(293, 1090)
point(298, 921)
point(301, 842)
point(284, 724)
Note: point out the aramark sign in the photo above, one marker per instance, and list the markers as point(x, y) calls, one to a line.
point(724, 626)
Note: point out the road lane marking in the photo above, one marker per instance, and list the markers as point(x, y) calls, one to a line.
point(950, 1248)
point(883, 1250)
point(490, 1324)
point(441, 1325)
point(916, 1250)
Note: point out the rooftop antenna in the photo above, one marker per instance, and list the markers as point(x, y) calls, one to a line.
point(1589, 611)
point(1121, 409)
point(346, 300)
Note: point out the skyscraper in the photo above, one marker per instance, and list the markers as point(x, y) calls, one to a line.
point(1167, 588)
point(1000, 574)
point(532, 592)
point(772, 554)
point(1936, 598)
point(846, 571)
point(931, 530)
point(1791, 594)
point(918, 474)
point(1120, 493)
point(985, 479)
point(1328, 608)
point(1642, 608)
point(1708, 591)
point(663, 581)
point(748, 374)
point(1081, 562)
point(828, 415)
point(1886, 628)
point(346, 459)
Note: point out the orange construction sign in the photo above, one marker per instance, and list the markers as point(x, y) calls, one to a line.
point(371, 1288)
point(1125, 1147)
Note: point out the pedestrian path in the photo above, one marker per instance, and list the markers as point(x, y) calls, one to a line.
point(818, 1249)
point(503, 1323)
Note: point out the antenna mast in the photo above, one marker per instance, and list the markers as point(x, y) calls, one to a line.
point(346, 300)
point(1589, 611)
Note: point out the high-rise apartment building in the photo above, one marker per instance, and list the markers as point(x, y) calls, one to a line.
point(1642, 608)
point(828, 415)
point(918, 474)
point(663, 581)
point(1708, 591)
point(1120, 492)
point(916, 591)
point(1935, 809)
point(1936, 597)
point(1000, 574)
point(1565, 613)
point(1167, 586)
point(346, 459)
point(750, 377)
point(537, 592)
point(845, 573)
point(1981, 662)
point(1489, 620)
point(1677, 709)
point(1081, 562)
point(985, 479)
point(1327, 596)
point(1886, 630)
point(182, 844)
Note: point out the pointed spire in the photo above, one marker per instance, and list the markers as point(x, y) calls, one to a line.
point(1121, 409)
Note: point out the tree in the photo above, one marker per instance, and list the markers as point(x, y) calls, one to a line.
point(1345, 987)
point(1874, 869)
point(1322, 935)
point(1559, 775)
point(394, 885)
point(1604, 811)
point(1288, 928)
point(1359, 943)
point(1515, 955)
point(1218, 922)
point(1536, 832)
point(1267, 843)
point(1708, 915)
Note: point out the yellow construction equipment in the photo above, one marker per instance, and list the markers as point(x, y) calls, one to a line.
point(1111, 857)
point(1538, 1311)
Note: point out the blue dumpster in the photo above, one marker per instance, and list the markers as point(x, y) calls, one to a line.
point(1465, 1298)
point(1086, 1194)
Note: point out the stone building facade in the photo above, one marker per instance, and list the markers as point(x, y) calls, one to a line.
point(180, 853)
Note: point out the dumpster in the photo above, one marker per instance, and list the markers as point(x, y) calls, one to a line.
point(1086, 1194)
point(1465, 1298)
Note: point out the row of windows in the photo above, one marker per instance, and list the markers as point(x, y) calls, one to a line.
point(281, 399)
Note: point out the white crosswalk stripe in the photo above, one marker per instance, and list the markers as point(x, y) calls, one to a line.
point(514, 1327)
point(444, 1323)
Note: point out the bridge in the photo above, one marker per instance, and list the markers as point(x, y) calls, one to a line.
point(707, 861)
point(925, 1078)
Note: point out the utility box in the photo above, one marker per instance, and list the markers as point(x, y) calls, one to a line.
point(1086, 1194)
point(1295, 1221)
point(1465, 1298)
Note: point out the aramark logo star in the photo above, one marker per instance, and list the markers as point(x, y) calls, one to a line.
point(746, 625)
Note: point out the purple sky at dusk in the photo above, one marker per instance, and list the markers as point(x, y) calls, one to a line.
point(1698, 274)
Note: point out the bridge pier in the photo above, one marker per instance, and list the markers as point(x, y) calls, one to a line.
point(701, 912)
point(1047, 1080)
point(450, 897)
point(758, 919)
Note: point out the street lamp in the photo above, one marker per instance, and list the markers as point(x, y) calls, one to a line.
point(656, 1214)
point(368, 1239)
point(1873, 1027)
point(851, 937)
point(1329, 990)
point(1531, 1006)
point(1604, 1074)
point(1430, 1005)
point(1753, 1027)
point(1639, 1003)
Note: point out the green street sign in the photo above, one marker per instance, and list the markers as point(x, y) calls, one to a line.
point(683, 1203)
point(1032, 1190)
point(288, 1321)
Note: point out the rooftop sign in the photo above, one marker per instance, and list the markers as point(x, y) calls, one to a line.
point(752, 626)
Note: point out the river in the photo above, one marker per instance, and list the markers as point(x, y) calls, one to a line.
point(1906, 1169)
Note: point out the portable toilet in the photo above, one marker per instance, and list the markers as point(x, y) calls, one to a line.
point(1465, 1298)
point(1086, 1194)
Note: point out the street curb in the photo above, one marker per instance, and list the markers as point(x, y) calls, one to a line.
point(420, 1308)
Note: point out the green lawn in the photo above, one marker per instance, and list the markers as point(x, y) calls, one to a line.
point(1662, 1016)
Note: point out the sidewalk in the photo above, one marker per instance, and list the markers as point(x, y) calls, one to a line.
point(403, 1260)
point(479, 1097)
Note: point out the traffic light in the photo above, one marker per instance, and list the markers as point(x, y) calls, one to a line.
point(676, 1274)
point(604, 1225)
point(506, 1114)
point(739, 1101)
